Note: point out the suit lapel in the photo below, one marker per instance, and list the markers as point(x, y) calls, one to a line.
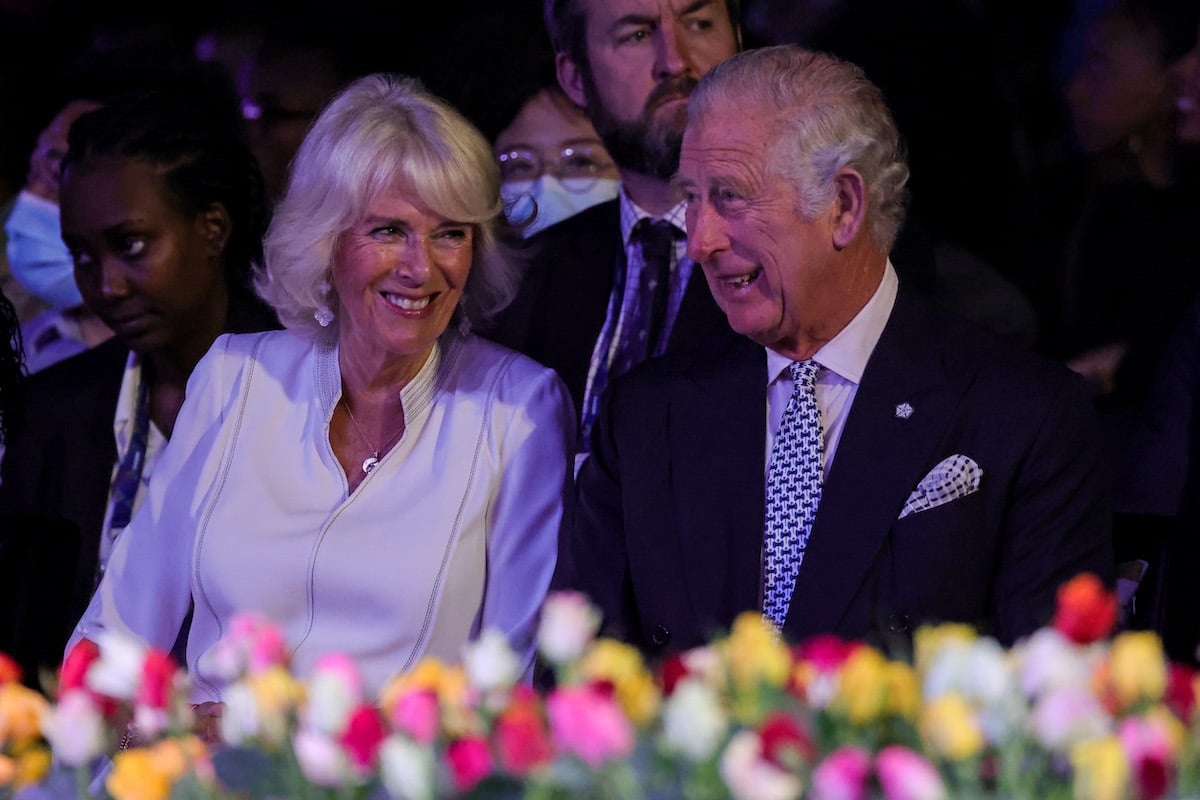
point(717, 430)
point(579, 267)
point(879, 460)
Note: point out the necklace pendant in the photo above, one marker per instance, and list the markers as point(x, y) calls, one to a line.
point(369, 464)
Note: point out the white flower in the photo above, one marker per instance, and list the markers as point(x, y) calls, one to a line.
point(1048, 661)
point(118, 671)
point(750, 777)
point(75, 728)
point(490, 663)
point(334, 691)
point(569, 622)
point(979, 672)
point(321, 758)
point(1068, 715)
point(407, 769)
point(693, 720)
point(240, 718)
point(707, 663)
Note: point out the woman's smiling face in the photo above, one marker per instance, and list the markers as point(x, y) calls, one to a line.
point(399, 273)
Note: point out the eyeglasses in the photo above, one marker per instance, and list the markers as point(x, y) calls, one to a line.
point(577, 161)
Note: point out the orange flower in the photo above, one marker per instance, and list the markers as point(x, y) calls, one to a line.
point(1086, 611)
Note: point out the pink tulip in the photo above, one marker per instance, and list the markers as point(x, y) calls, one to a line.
point(842, 775)
point(1151, 755)
point(589, 723)
point(470, 762)
point(363, 735)
point(416, 715)
point(905, 775)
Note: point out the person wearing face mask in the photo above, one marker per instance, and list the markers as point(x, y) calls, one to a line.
point(552, 162)
point(38, 259)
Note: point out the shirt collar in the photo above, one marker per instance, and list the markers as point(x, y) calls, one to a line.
point(847, 353)
point(127, 400)
point(631, 213)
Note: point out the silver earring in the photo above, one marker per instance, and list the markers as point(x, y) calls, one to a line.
point(324, 314)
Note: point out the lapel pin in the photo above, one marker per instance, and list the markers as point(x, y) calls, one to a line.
point(904, 411)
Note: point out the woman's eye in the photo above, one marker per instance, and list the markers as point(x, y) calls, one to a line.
point(581, 166)
point(133, 246)
point(455, 235)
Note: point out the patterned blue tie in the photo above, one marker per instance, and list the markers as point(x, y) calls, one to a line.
point(793, 492)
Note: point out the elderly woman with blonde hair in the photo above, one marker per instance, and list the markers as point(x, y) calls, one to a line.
point(374, 478)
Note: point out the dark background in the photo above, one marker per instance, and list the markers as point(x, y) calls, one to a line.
point(974, 84)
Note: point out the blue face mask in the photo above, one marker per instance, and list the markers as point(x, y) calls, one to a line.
point(36, 254)
point(553, 200)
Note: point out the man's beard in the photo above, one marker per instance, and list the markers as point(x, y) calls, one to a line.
point(649, 145)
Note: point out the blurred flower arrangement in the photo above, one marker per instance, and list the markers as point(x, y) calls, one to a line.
point(1068, 712)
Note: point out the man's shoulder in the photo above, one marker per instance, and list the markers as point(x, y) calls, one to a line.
point(602, 218)
point(996, 362)
point(720, 355)
point(579, 235)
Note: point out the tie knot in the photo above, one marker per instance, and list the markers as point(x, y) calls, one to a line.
point(804, 373)
point(657, 236)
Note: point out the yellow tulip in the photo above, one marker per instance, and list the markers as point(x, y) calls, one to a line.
point(32, 765)
point(138, 775)
point(862, 687)
point(929, 639)
point(1101, 769)
point(950, 728)
point(903, 690)
point(755, 654)
point(622, 666)
point(1137, 668)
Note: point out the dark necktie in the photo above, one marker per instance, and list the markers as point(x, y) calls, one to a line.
point(793, 492)
point(642, 331)
point(129, 472)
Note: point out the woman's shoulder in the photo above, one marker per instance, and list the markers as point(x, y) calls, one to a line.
point(259, 344)
point(505, 363)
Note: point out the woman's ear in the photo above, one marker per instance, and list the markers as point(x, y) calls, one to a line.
point(850, 207)
point(216, 228)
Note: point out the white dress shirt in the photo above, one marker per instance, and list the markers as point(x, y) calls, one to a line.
point(842, 361)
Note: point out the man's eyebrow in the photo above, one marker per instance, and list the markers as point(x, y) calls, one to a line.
point(695, 6)
point(636, 18)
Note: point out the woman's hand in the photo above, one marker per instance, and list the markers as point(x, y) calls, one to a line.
point(208, 719)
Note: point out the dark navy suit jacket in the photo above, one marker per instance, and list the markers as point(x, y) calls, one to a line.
point(670, 504)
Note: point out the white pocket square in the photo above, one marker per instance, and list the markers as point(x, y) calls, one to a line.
point(955, 477)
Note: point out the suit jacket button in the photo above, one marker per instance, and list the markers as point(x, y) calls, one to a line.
point(660, 636)
point(898, 623)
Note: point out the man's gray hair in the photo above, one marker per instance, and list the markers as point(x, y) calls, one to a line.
point(828, 115)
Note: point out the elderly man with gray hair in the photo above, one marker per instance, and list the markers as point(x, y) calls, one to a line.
point(854, 462)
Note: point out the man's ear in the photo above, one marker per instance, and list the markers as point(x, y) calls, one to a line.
point(850, 206)
point(570, 78)
point(216, 227)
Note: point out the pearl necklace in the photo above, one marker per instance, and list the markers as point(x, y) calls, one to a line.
point(372, 461)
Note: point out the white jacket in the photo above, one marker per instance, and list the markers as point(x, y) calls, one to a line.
point(454, 532)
